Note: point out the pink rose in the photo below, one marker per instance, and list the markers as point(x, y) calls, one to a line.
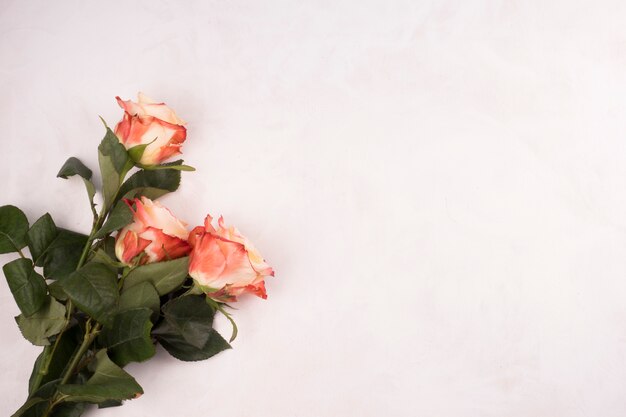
point(154, 233)
point(225, 263)
point(152, 124)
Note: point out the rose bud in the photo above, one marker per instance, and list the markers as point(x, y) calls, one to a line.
point(224, 263)
point(154, 235)
point(153, 124)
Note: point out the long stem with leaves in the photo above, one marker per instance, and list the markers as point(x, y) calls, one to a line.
point(49, 351)
point(90, 333)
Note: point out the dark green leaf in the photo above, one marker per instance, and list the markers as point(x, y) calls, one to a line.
point(108, 244)
point(114, 164)
point(120, 216)
point(46, 322)
point(13, 228)
point(43, 397)
point(191, 317)
point(165, 276)
point(140, 295)
point(152, 184)
point(73, 166)
point(109, 382)
point(93, 288)
point(29, 405)
point(176, 167)
point(57, 250)
point(40, 236)
point(128, 339)
point(109, 404)
point(69, 410)
point(179, 348)
point(63, 255)
point(60, 357)
point(27, 286)
point(55, 288)
point(104, 258)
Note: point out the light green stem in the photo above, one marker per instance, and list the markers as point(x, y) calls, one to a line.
point(43, 370)
point(87, 340)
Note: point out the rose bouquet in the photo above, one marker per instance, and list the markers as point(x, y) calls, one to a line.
point(96, 302)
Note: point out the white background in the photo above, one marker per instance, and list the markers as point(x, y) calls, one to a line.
point(440, 187)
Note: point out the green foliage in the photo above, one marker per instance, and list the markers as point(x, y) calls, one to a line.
point(69, 410)
point(13, 228)
point(73, 166)
point(141, 295)
point(103, 257)
point(128, 339)
point(168, 166)
point(55, 288)
point(136, 152)
point(27, 286)
point(114, 164)
point(46, 322)
point(57, 250)
point(120, 216)
point(151, 183)
point(93, 288)
point(40, 236)
point(165, 276)
point(82, 360)
point(108, 382)
point(40, 401)
point(191, 317)
point(59, 358)
point(187, 329)
point(108, 245)
point(36, 404)
point(178, 347)
point(62, 256)
point(109, 404)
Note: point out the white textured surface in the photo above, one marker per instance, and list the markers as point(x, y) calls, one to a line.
point(440, 186)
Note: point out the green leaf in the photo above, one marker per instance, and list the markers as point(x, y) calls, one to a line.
point(32, 402)
point(109, 404)
point(103, 257)
point(136, 152)
point(128, 339)
point(120, 216)
point(109, 382)
point(165, 276)
point(62, 256)
point(178, 347)
point(108, 244)
point(141, 295)
point(13, 228)
point(46, 322)
point(60, 358)
point(55, 288)
point(93, 288)
point(57, 250)
point(73, 166)
point(176, 167)
point(27, 286)
point(191, 317)
point(40, 236)
point(114, 164)
point(152, 184)
point(45, 393)
point(69, 410)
